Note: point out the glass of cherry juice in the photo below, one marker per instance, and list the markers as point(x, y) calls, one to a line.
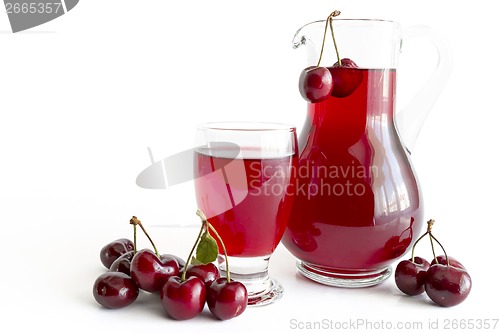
point(244, 183)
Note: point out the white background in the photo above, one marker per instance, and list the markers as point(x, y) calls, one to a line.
point(83, 96)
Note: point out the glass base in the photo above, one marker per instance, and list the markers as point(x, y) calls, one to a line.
point(271, 295)
point(344, 279)
point(252, 272)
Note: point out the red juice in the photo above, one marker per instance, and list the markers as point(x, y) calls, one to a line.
point(357, 206)
point(248, 201)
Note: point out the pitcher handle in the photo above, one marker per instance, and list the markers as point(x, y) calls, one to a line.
point(411, 118)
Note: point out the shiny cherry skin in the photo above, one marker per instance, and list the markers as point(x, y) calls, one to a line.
point(111, 251)
point(183, 300)
point(149, 272)
point(447, 285)
point(441, 259)
point(410, 276)
point(122, 264)
point(225, 299)
point(207, 272)
point(315, 84)
point(179, 260)
point(115, 290)
point(346, 78)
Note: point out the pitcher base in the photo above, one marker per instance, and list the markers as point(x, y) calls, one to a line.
point(342, 278)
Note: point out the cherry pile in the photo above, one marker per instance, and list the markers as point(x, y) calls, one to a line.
point(317, 83)
point(184, 289)
point(445, 280)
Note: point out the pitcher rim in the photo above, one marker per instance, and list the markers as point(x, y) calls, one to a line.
point(296, 44)
point(245, 126)
point(356, 19)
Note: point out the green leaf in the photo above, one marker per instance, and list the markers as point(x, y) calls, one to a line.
point(195, 262)
point(207, 249)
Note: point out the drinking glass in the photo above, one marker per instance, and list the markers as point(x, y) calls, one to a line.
point(244, 183)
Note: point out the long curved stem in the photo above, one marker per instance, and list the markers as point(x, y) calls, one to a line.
point(442, 248)
point(334, 41)
point(183, 277)
point(415, 245)
point(135, 239)
point(200, 213)
point(329, 22)
point(223, 248)
point(322, 44)
point(432, 247)
point(135, 221)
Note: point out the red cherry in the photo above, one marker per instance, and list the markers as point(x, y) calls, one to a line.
point(441, 259)
point(179, 260)
point(410, 276)
point(115, 290)
point(207, 272)
point(225, 299)
point(315, 84)
point(346, 78)
point(122, 264)
point(183, 299)
point(447, 285)
point(347, 63)
point(149, 272)
point(111, 251)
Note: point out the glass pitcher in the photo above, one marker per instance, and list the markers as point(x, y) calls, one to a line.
point(358, 206)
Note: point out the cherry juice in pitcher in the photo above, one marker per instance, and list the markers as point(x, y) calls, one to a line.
point(357, 198)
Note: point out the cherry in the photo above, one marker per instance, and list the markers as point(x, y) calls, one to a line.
point(410, 275)
point(183, 296)
point(111, 252)
point(346, 77)
point(149, 269)
point(115, 290)
point(150, 272)
point(179, 260)
point(206, 272)
point(122, 264)
point(227, 299)
point(447, 285)
point(315, 84)
point(346, 63)
point(183, 299)
point(445, 280)
point(441, 259)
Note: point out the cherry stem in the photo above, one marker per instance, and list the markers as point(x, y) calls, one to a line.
point(432, 247)
point(415, 245)
point(183, 277)
point(135, 221)
point(328, 21)
point(205, 221)
point(135, 239)
point(430, 223)
point(442, 248)
point(223, 248)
